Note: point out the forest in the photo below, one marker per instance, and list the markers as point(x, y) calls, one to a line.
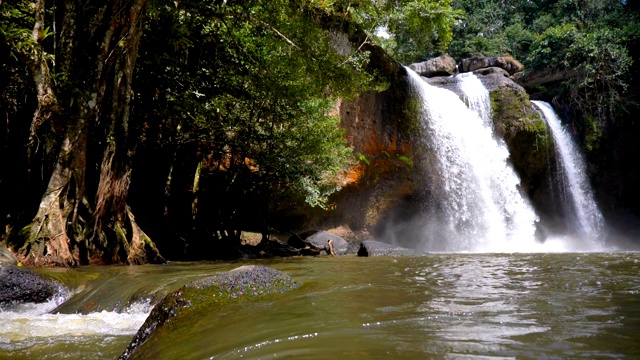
point(142, 131)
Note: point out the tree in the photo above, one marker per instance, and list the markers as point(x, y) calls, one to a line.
point(588, 38)
point(256, 85)
point(231, 99)
point(83, 76)
point(419, 29)
point(592, 41)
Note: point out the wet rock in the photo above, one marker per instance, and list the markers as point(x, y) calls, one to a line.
point(180, 307)
point(377, 248)
point(321, 238)
point(441, 66)
point(492, 71)
point(507, 63)
point(19, 286)
point(316, 242)
point(535, 78)
point(493, 78)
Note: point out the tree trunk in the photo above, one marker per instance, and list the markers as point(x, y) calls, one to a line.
point(59, 235)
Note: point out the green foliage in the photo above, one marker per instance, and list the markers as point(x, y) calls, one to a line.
point(251, 86)
point(362, 158)
point(601, 60)
point(593, 134)
point(591, 40)
point(420, 28)
point(16, 27)
point(407, 160)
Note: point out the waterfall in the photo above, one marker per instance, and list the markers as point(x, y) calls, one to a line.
point(579, 202)
point(474, 199)
point(476, 96)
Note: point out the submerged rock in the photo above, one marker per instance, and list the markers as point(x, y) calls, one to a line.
point(377, 248)
point(20, 286)
point(236, 286)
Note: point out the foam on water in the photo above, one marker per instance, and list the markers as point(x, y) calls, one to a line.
point(32, 324)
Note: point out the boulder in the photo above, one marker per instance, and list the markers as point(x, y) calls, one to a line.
point(321, 239)
point(507, 63)
point(19, 286)
point(179, 308)
point(441, 66)
point(536, 78)
point(377, 248)
point(493, 78)
point(316, 242)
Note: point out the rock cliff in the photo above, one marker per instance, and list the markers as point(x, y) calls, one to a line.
point(382, 129)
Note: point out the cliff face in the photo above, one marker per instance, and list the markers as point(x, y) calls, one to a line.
point(382, 128)
point(611, 150)
point(382, 179)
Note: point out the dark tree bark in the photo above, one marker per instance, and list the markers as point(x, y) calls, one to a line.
point(70, 227)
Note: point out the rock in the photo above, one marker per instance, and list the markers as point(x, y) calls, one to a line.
point(321, 238)
point(178, 308)
point(6, 256)
point(377, 248)
point(19, 286)
point(353, 237)
point(446, 82)
point(492, 71)
point(315, 242)
point(533, 79)
point(493, 78)
point(440, 66)
point(530, 143)
point(507, 63)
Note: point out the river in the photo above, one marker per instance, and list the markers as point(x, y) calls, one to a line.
point(444, 306)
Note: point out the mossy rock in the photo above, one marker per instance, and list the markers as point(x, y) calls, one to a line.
point(525, 133)
point(202, 296)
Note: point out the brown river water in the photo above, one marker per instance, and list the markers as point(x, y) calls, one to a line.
point(443, 306)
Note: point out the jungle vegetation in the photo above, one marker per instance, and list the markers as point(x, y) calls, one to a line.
point(143, 129)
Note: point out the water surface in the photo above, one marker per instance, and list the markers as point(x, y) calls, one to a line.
point(445, 306)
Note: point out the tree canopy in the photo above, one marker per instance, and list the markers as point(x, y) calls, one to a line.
point(208, 118)
point(592, 40)
point(204, 116)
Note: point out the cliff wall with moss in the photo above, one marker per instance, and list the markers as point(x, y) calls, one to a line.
point(385, 181)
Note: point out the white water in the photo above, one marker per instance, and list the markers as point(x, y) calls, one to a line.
point(587, 218)
point(31, 325)
point(475, 205)
point(476, 96)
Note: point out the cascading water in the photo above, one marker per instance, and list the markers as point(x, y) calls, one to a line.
point(474, 204)
point(579, 201)
point(476, 96)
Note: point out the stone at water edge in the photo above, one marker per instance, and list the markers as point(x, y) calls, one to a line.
point(321, 238)
point(507, 63)
point(238, 285)
point(20, 286)
point(441, 66)
point(317, 242)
